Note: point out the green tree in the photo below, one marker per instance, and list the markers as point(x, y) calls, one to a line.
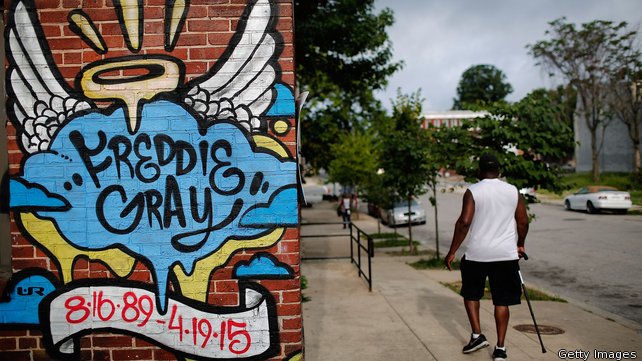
point(444, 143)
point(522, 136)
point(343, 55)
point(588, 57)
point(354, 160)
point(561, 101)
point(405, 147)
point(481, 85)
point(625, 100)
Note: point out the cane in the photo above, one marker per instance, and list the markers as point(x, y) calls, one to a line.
point(530, 308)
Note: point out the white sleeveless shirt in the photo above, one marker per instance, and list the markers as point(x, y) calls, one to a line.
point(493, 232)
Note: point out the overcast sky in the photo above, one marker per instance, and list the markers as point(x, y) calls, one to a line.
point(439, 39)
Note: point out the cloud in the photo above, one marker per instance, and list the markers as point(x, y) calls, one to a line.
point(21, 306)
point(263, 266)
point(280, 210)
point(284, 103)
point(173, 193)
point(24, 195)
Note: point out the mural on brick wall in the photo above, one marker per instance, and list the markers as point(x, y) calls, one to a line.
point(179, 176)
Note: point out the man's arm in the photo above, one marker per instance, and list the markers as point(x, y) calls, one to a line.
point(461, 227)
point(521, 217)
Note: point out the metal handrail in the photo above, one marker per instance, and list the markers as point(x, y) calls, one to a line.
point(355, 236)
point(368, 248)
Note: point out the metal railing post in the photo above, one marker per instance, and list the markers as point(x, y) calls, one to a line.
point(359, 252)
point(351, 250)
point(370, 254)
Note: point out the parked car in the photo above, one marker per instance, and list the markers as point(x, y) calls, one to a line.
point(313, 193)
point(399, 213)
point(594, 199)
point(529, 194)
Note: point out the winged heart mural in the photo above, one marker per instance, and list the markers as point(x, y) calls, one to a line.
point(136, 164)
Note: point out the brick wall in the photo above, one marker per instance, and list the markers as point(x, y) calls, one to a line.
point(153, 181)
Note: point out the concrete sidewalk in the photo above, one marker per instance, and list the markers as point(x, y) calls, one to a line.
point(409, 315)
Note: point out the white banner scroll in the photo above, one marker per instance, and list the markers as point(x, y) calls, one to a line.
point(183, 328)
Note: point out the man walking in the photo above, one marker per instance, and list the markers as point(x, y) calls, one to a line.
point(494, 214)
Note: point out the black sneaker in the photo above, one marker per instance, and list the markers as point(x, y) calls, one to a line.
point(499, 355)
point(475, 344)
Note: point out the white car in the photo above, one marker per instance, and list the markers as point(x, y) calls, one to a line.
point(399, 214)
point(593, 199)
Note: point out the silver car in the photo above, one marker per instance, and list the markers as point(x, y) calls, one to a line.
point(399, 214)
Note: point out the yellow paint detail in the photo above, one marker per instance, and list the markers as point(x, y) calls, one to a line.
point(195, 286)
point(281, 127)
point(46, 234)
point(297, 357)
point(130, 11)
point(266, 142)
point(179, 11)
point(130, 90)
point(83, 24)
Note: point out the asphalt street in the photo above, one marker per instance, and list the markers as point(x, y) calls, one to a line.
point(590, 259)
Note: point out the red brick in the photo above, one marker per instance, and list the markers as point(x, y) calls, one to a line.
point(154, 27)
point(19, 264)
point(290, 336)
point(112, 341)
point(154, 41)
point(13, 333)
point(53, 16)
point(219, 38)
point(72, 58)
point(101, 14)
point(27, 343)
point(132, 354)
point(229, 286)
point(155, 12)
point(8, 344)
point(22, 252)
point(53, 30)
point(231, 11)
point(196, 67)
point(71, 4)
point(292, 324)
point(291, 296)
point(192, 39)
point(196, 12)
point(93, 3)
point(160, 354)
point(223, 299)
point(292, 309)
point(99, 355)
point(111, 29)
point(207, 25)
point(48, 4)
point(143, 276)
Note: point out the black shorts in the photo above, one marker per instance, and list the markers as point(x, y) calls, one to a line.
point(503, 276)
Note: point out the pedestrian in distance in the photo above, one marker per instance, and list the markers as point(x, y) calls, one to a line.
point(494, 218)
point(345, 203)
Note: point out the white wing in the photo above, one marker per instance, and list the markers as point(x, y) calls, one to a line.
point(242, 87)
point(39, 101)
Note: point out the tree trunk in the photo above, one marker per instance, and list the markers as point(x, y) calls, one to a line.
point(636, 161)
point(410, 228)
point(595, 156)
point(434, 194)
